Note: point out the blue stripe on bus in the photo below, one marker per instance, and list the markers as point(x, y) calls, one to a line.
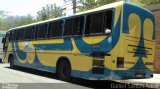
point(22, 55)
point(67, 45)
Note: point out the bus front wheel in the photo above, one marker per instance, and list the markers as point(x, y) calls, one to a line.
point(64, 70)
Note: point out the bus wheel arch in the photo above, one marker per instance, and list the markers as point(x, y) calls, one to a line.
point(63, 68)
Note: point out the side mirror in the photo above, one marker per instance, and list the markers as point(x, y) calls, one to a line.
point(3, 40)
point(107, 31)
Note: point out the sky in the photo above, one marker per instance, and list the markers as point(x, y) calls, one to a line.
point(24, 7)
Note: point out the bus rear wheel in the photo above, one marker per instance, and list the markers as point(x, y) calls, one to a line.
point(64, 70)
point(11, 60)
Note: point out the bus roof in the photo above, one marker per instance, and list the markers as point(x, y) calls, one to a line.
point(107, 6)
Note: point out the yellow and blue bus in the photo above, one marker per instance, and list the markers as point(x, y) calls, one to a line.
point(114, 41)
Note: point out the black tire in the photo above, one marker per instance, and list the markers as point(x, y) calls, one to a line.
point(64, 70)
point(1, 61)
point(11, 61)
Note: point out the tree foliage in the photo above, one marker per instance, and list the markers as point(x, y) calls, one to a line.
point(15, 21)
point(2, 18)
point(87, 4)
point(24, 20)
point(90, 4)
point(148, 2)
point(2, 15)
point(49, 11)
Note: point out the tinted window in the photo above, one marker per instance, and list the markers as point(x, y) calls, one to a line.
point(78, 25)
point(108, 20)
point(88, 24)
point(29, 33)
point(97, 23)
point(12, 35)
point(20, 34)
point(55, 29)
point(68, 28)
point(41, 31)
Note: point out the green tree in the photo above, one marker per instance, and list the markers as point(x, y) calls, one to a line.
point(15, 21)
point(74, 4)
point(2, 15)
point(148, 2)
point(56, 11)
point(2, 19)
point(137, 2)
point(24, 20)
point(49, 11)
point(87, 4)
point(90, 4)
point(103, 2)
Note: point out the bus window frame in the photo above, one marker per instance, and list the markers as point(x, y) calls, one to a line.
point(79, 24)
point(36, 32)
point(33, 33)
point(100, 34)
point(73, 17)
point(21, 40)
point(10, 35)
point(65, 25)
point(56, 37)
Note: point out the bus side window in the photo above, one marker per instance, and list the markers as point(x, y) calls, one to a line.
point(68, 28)
point(78, 25)
point(20, 34)
point(60, 28)
point(29, 33)
point(41, 31)
point(88, 24)
point(98, 23)
point(12, 35)
point(55, 29)
point(108, 20)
